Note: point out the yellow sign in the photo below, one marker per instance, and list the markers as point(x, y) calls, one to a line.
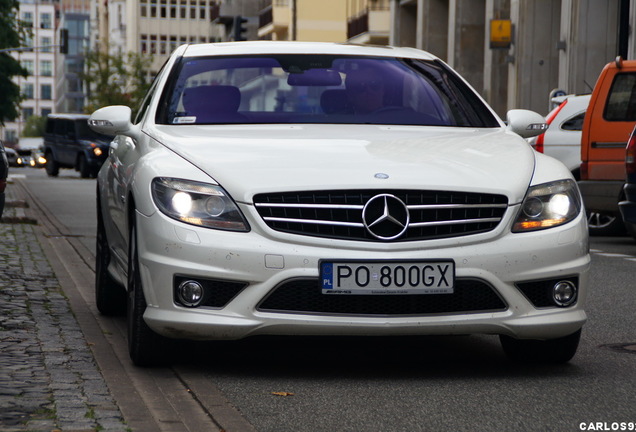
point(500, 33)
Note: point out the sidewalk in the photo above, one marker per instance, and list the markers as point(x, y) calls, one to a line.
point(48, 377)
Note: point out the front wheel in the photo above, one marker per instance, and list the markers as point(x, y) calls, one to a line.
point(605, 224)
point(560, 350)
point(52, 166)
point(110, 297)
point(146, 348)
point(83, 167)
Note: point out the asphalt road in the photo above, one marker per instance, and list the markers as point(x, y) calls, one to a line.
point(356, 384)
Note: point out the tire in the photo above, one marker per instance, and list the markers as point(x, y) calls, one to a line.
point(559, 350)
point(631, 229)
point(52, 166)
point(110, 297)
point(145, 347)
point(605, 224)
point(83, 167)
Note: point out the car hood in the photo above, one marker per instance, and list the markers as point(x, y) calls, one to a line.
point(249, 159)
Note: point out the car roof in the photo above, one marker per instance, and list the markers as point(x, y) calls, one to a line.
point(286, 47)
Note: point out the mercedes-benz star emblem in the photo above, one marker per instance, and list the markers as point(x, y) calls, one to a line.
point(385, 216)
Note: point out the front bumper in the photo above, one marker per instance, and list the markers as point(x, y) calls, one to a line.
point(264, 261)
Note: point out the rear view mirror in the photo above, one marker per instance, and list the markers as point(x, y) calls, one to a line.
point(315, 78)
point(526, 123)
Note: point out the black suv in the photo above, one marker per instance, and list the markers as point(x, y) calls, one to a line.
point(70, 143)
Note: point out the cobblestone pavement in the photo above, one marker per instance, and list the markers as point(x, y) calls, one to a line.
point(49, 380)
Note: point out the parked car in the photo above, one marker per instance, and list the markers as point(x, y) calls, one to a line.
point(289, 188)
point(562, 140)
point(610, 118)
point(628, 205)
point(13, 157)
point(70, 143)
point(4, 174)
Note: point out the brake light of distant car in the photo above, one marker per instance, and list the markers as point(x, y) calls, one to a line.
point(548, 205)
point(197, 203)
point(630, 154)
point(538, 143)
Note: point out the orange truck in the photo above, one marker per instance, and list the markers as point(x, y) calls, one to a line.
point(609, 120)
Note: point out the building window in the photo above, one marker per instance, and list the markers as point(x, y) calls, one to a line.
point(173, 43)
point(143, 8)
point(46, 68)
point(45, 92)
point(45, 111)
point(28, 65)
point(26, 113)
point(27, 19)
point(193, 9)
point(173, 8)
point(202, 9)
point(27, 90)
point(183, 8)
point(163, 44)
point(144, 43)
point(11, 135)
point(153, 44)
point(45, 21)
point(46, 43)
point(163, 9)
point(153, 8)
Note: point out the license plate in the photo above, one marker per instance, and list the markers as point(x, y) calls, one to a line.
point(387, 277)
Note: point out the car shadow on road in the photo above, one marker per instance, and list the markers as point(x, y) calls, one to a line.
point(365, 357)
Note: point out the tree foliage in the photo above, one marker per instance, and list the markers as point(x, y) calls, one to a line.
point(115, 79)
point(11, 36)
point(34, 126)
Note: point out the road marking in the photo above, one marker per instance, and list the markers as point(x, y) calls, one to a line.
point(626, 257)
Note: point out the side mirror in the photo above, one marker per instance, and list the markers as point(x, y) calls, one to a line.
point(113, 120)
point(526, 123)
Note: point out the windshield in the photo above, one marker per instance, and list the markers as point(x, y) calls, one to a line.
point(319, 89)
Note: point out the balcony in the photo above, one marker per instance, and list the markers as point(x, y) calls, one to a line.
point(371, 25)
point(274, 21)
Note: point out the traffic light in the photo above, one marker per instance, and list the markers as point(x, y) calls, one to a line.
point(63, 41)
point(238, 28)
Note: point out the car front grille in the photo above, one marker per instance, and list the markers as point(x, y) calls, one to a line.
point(305, 296)
point(339, 213)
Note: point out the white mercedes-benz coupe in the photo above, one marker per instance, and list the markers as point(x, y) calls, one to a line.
point(292, 188)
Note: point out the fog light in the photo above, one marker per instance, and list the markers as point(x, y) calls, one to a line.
point(564, 293)
point(190, 293)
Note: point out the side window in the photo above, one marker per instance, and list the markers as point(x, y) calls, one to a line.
point(50, 126)
point(621, 103)
point(59, 128)
point(574, 124)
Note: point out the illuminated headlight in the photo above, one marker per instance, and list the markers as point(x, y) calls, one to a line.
point(97, 151)
point(548, 205)
point(197, 203)
point(41, 160)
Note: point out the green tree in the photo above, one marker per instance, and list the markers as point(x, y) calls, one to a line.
point(34, 126)
point(115, 79)
point(11, 36)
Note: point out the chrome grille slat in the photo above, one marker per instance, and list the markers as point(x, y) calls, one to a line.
point(338, 213)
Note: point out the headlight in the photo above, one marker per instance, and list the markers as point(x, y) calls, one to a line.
point(197, 204)
point(548, 205)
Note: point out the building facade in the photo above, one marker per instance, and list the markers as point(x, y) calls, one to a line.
point(38, 58)
point(554, 44)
